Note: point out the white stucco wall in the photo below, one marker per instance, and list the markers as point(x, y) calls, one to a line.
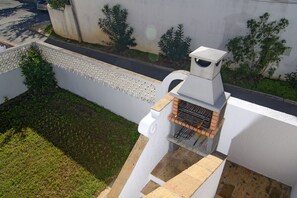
point(118, 102)
point(209, 23)
point(260, 139)
point(156, 148)
point(11, 84)
point(209, 188)
point(63, 22)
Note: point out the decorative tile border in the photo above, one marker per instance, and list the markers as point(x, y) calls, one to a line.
point(10, 58)
point(103, 73)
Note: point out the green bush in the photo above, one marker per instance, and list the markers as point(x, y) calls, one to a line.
point(174, 45)
point(56, 4)
point(39, 75)
point(115, 26)
point(260, 51)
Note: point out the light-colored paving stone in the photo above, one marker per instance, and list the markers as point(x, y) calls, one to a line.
point(162, 193)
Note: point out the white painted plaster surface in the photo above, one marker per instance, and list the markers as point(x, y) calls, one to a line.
point(175, 75)
point(260, 139)
point(209, 23)
point(209, 187)
point(11, 84)
point(154, 151)
point(63, 22)
point(127, 106)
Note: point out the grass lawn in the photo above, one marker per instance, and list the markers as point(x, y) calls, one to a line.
point(60, 145)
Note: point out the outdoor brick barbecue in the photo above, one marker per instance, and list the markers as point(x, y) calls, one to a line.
point(199, 103)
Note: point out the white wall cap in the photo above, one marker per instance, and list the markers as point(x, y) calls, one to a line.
point(208, 54)
point(147, 125)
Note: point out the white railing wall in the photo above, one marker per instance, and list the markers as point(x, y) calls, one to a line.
point(123, 92)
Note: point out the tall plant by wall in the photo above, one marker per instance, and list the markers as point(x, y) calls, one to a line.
point(38, 73)
point(259, 52)
point(174, 45)
point(56, 4)
point(116, 27)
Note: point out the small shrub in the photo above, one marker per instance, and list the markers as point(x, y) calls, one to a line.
point(174, 45)
point(56, 4)
point(260, 51)
point(39, 75)
point(115, 26)
point(291, 78)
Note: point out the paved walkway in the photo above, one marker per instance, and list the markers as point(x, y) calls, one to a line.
point(15, 19)
point(160, 73)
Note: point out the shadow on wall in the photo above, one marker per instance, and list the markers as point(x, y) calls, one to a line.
point(268, 147)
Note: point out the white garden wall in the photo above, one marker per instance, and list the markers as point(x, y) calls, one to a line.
point(260, 139)
point(123, 92)
point(131, 108)
point(209, 23)
point(63, 22)
point(11, 79)
point(155, 149)
point(11, 84)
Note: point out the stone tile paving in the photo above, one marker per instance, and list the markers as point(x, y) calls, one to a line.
point(240, 182)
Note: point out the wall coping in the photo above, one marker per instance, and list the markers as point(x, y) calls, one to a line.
point(188, 182)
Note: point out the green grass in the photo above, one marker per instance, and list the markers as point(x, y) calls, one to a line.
point(60, 145)
point(270, 86)
point(278, 88)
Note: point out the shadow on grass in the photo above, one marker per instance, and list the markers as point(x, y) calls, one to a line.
point(95, 138)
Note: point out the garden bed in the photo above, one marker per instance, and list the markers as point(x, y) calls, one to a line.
point(60, 145)
point(274, 87)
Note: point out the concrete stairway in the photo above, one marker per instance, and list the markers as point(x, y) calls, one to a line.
point(172, 164)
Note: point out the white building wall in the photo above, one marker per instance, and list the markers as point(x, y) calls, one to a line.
point(260, 139)
point(209, 23)
point(129, 107)
point(11, 84)
point(209, 188)
point(63, 22)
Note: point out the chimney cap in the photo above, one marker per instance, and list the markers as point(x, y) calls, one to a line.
point(208, 54)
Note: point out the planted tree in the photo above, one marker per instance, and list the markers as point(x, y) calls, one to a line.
point(39, 75)
point(116, 27)
point(174, 45)
point(260, 51)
